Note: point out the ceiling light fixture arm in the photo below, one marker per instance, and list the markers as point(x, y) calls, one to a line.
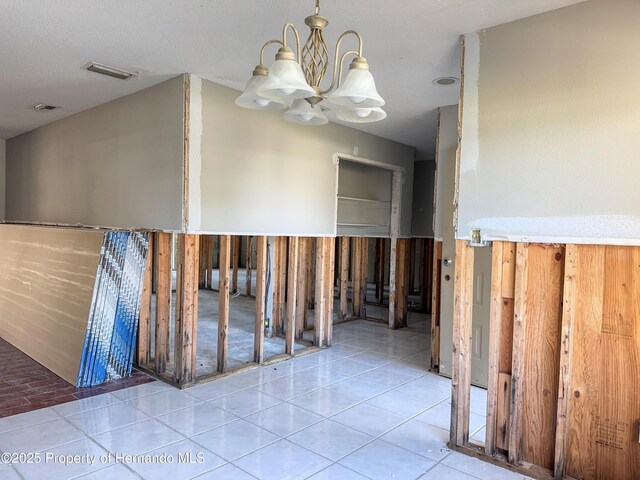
point(264, 47)
point(338, 60)
point(291, 26)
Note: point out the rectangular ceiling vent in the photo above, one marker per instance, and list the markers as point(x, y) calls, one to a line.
point(110, 71)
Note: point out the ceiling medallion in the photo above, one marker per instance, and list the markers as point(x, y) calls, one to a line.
point(294, 80)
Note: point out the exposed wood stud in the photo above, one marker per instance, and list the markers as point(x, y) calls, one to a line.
point(292, 291)
point(344, 277)
point(276, 313)
point(247, 265)
point(356, 260)
point(568, 322)
point(519, 345)
point(392, 282)
point(236, 262)
point(311, 276)
point(462, 331)
point(144, 324)
point(329, 277)
point(163, 301)
point(261, 284)
point(364, 259)
point(435, 308)
point(495, 327)
point(223, 303)
point(379, 270)
point(301, 288)
point(186, 308)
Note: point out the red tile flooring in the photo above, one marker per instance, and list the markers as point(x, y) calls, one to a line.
point(26, 385)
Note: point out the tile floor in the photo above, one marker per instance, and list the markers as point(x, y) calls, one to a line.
point(25, 385)
point(364, 409)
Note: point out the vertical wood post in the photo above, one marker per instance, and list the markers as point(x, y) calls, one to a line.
point(144, 324)
point(462, 331)
point(519, 345)
point(356, 287)
point(186, 308)
point(163, 301)
point(495, 328)
point(329, 278)
point(401, 283)
point(223, 303)
point(379, 268)
point(344, 277)
point(261, 285)
point(301, 287)
point(292, 291)
point(364, 267)
point(247, 265)
point(566, 353)
point(311, 275)
point(435, 307)
point(236, 262)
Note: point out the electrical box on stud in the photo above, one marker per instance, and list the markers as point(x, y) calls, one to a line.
point(295, 80)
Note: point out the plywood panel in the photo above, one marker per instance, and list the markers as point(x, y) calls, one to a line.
point(541, 356)
point(47, 277)
point(604, 406)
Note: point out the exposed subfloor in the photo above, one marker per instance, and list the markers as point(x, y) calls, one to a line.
point(25, 385)
point(365, 408)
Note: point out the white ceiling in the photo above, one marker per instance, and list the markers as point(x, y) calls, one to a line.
point(408, 43)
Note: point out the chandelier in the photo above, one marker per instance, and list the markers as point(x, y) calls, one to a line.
point(294, 81)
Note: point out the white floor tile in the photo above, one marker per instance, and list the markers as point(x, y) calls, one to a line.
point(185, 460)
point(284, 419)
point(27, 419)
point(141, 390)
point(330, 439)
point(399, 403)
point(369, 419)
point(52, 467)
point(324, 402)
point(382, 460)
point(358, 389)
point(7, 472)
point(337, 472)
point(245, 402)
point(37, 438)
point(197, 419)
point(106, 419)
point(86, 404)
point(282, 460)
point(163, 402)
point(215, 389)
point(372, 359)
point(480, 469)
point(420, 438)
point(442, 472)
point(440, 416)
point(226, 472)
point(235, 439)
point(119, 472)
point(138, 438)
point(287, 388)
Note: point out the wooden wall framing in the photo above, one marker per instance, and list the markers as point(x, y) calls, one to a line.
point(564, 359)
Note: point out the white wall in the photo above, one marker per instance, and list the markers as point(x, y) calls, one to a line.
point(550, 132)
point(116, 165)
point(262, 175)
point(423, 206)
point(2, 178)
point(445, 170)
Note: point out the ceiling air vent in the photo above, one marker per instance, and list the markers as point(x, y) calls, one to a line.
point(110, 71)
point(42, 107)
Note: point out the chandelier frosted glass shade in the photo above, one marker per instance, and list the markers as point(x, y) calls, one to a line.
point(362, 115)
point(357, 91)
point(250, 98)
point(303, 113)
point(285, 82)
point(301, 78)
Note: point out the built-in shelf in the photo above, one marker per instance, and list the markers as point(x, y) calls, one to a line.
point(358, 199)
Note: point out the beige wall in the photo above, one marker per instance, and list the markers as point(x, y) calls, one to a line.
point(445, 171)
point(116, 165)
point(262, 175)
point(422, 207)
point(550, 142)
point(2, 179)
